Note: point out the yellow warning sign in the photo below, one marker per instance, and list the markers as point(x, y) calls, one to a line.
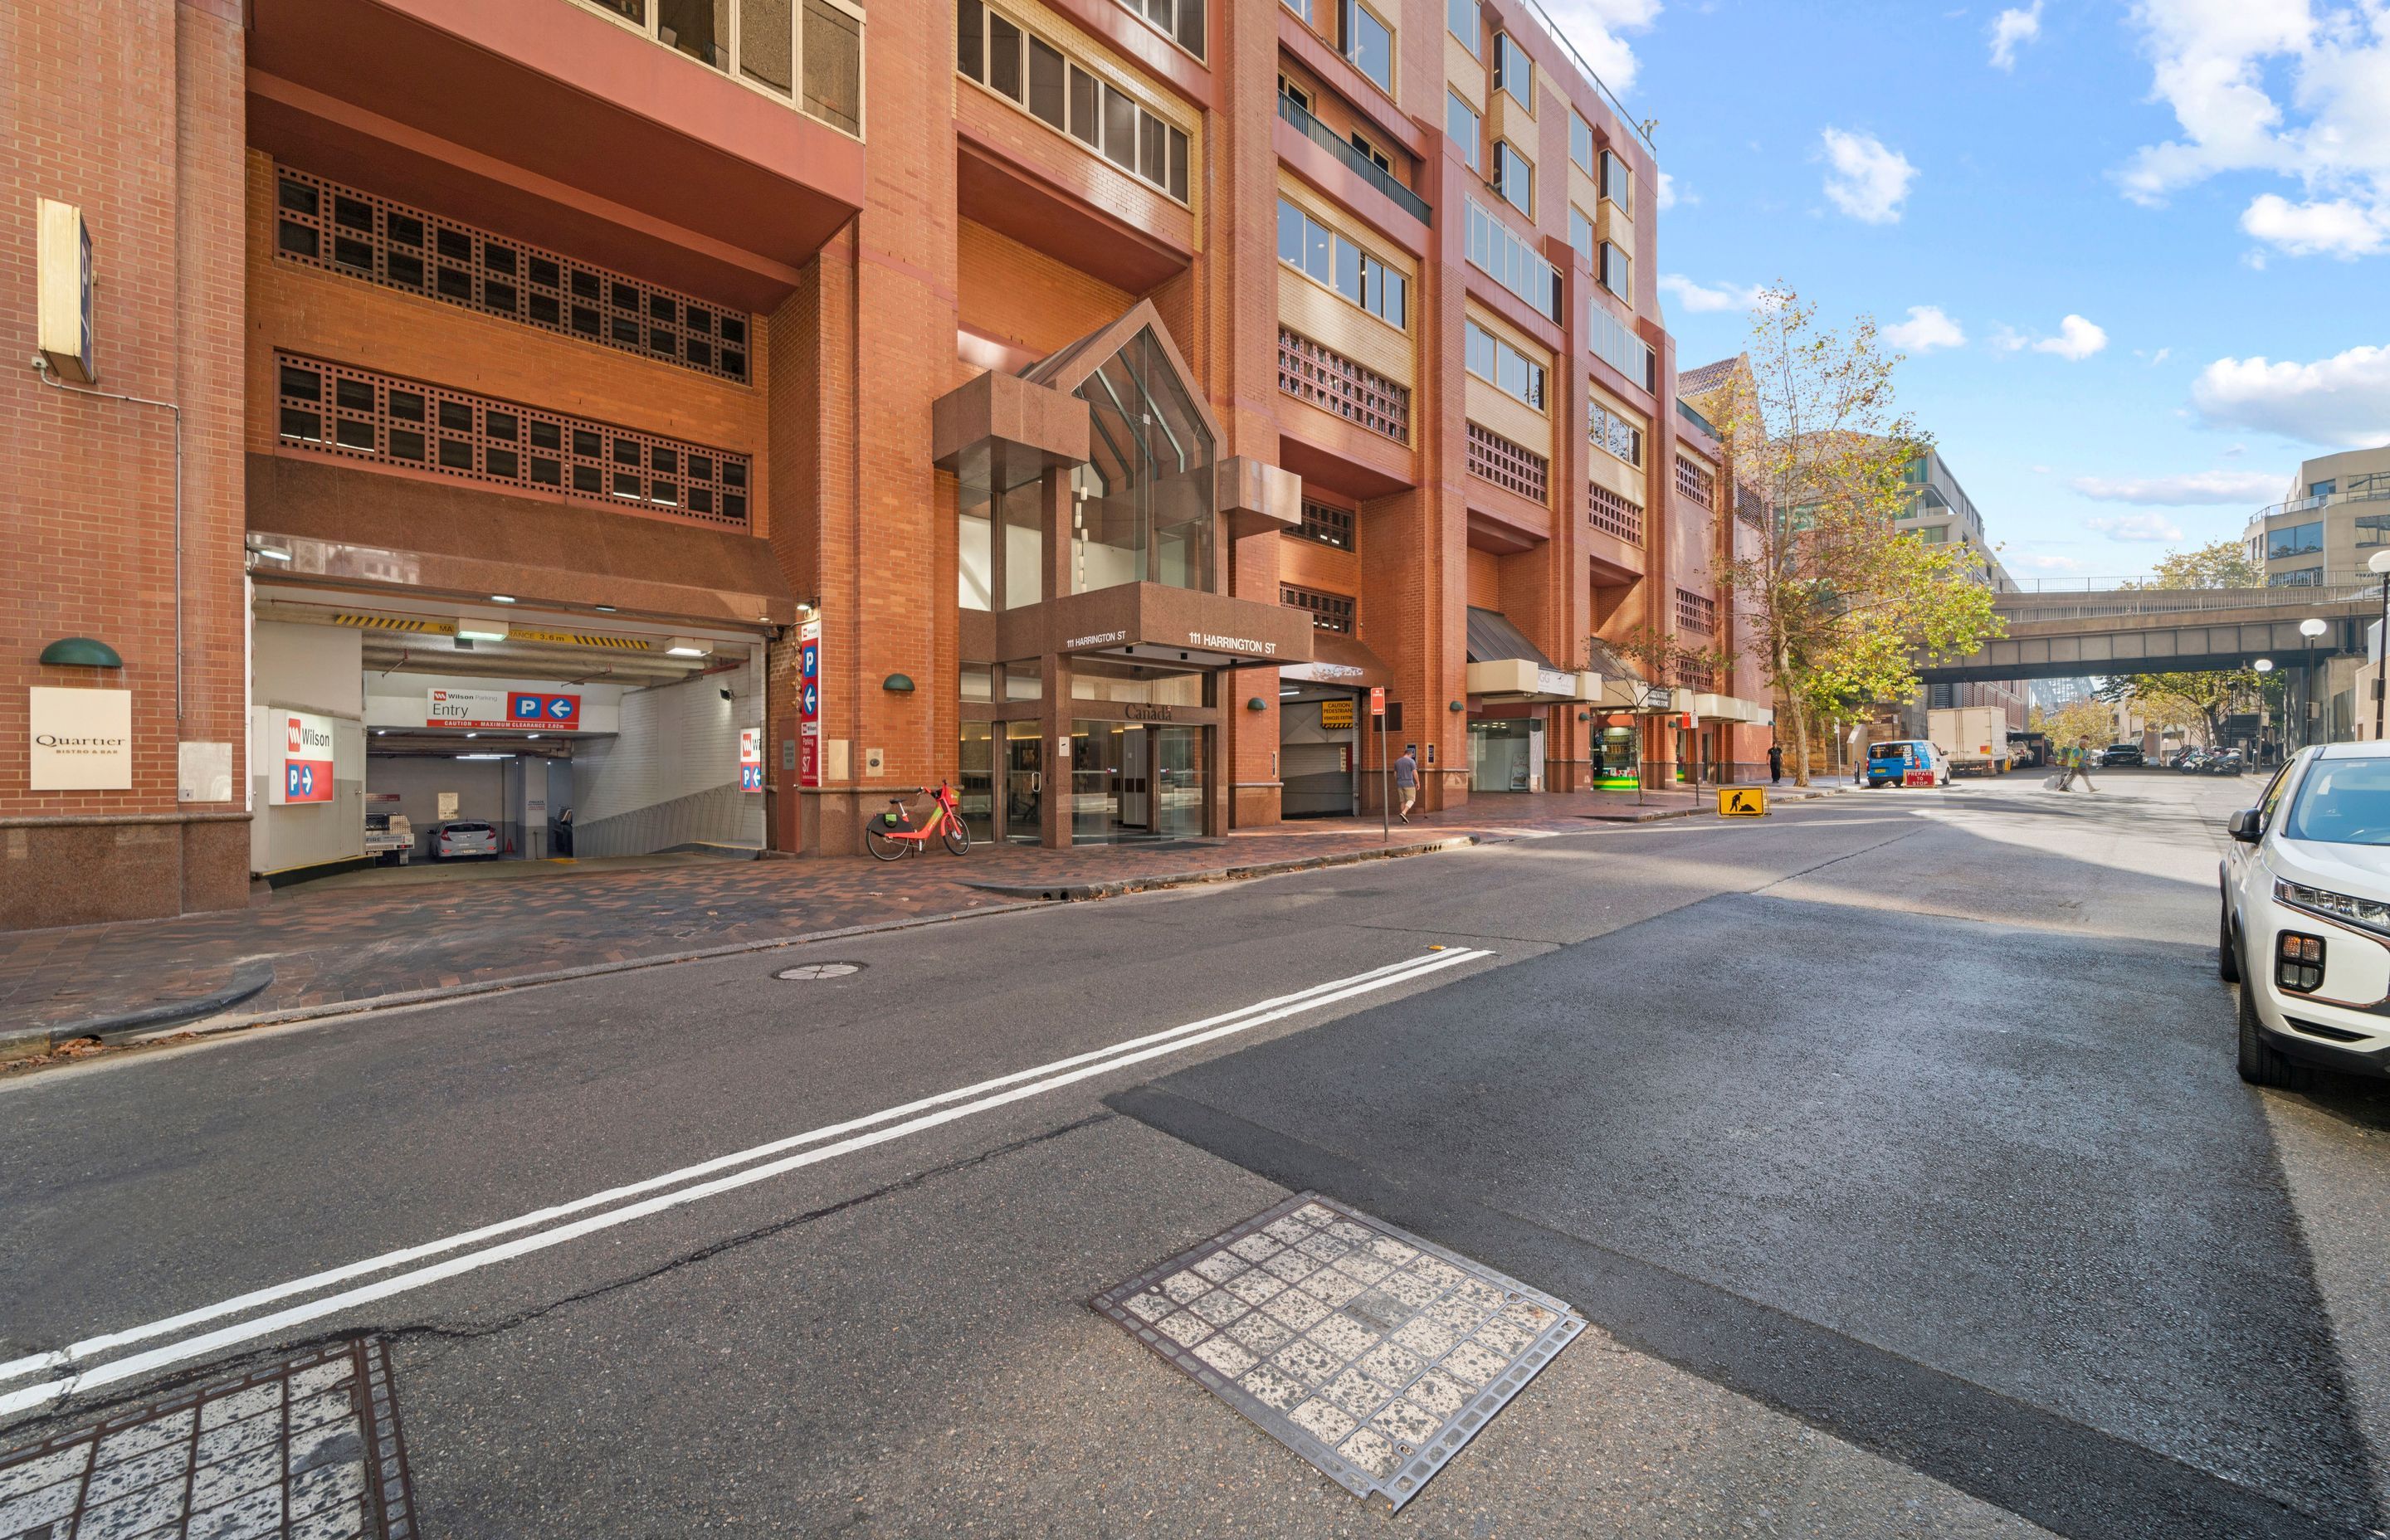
point(1336, 713)
point(1742, 801)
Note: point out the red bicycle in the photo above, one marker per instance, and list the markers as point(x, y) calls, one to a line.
point(890, 835)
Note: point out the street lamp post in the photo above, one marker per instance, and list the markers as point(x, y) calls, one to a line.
point(2264, 667)
point(2380, 562)
point(2310, 629)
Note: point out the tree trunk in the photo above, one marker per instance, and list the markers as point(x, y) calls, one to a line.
point(1800, 718)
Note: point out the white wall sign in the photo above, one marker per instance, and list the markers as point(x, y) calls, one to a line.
point(299, 761)
point(453, 707)
point(83, 740)
point(203, 773)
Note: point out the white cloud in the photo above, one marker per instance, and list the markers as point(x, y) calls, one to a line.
point(1594, 27)
point(2161, 356)
point(2135, 526)
point(2342, 227)
point(1668, 195)
point(2012, 27)
point(1699, 300)
point(2291, 88)
point(2077, 340)
point(1925, 329)
point(2343, 401)
point(2195, 489)
point(2038, 562)
point(1869, 180)
point(2009, 339)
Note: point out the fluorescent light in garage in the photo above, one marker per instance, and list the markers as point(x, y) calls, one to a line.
point(470, 630)
point(687, 647)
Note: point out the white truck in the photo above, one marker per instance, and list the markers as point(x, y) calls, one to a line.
point(1976, 737)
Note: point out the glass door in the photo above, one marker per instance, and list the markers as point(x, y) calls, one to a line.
point(1178, 782)
point(1136, 780)
point(1024, 782)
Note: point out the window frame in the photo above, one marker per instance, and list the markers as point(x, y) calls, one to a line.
point(1170, 34)
point(1473, 40)
point(1602, 424)
point(1500, 189)
point(1590, 249)
point(1506, 48)
point(1615, 254)
point(1372, 272)
point(1624, 181)
point(1178, 146)
point(650, 23)
point(1580, 134)
point(1349, 46)
point(1474, 153)
point(1497, 346)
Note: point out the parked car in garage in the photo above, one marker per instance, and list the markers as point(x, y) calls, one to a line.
point(2306, 922)
point(2122, 753)
point(463, 837)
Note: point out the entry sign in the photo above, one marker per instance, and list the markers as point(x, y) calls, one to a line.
point(306, 756)
point(1742, 801)
point(524, 709)
point(1377, 700)
point(809, 675)
point(751, 759)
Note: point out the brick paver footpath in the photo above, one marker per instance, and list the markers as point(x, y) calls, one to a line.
point(353, 944)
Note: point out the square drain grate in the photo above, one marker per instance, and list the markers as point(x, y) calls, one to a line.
point(306, 1449)
point(1371, 1352)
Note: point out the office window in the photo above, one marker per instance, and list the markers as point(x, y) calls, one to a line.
point(1581, 143)
point(2306, 577)
point(1503, 367)
point(2298, 540)
point(1618, 183)
point(1328, 612)
point(1581, 234)
point(1613, 434)
point(1460, 123)
point(1179, 20)
point(1515, 178)
point(1325, 524)
point(1617, 271)
point(2321, 489)
point(1460, 18)
point(1514, 72)
point(1620, 348)
point(1369, 43)
point(2373, 529)
point(1295, 92)
point(1304, 243)
point(1033, 73)
point(1370, 153)
point(1512, 263)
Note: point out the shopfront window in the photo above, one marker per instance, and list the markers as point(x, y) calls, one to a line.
point(1024, 680)
point(1617, 758)
point(1133, 781)
point(976, 773)
point(1131, 685)
point(1141, 505)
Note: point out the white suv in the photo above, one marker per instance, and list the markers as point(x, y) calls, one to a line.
point(2306, 926)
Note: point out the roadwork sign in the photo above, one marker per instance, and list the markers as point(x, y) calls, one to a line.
point(1742, 801)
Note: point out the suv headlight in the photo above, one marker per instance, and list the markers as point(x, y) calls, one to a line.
point(2366, 914)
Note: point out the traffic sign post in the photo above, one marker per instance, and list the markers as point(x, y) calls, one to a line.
point(1385, 770)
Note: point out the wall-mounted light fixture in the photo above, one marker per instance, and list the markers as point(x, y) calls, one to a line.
point(1457, 706)
point(80, 653)
point(897, 684)
point(1257, 705)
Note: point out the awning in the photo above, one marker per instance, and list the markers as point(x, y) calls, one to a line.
point(1504, 665)
point(1337, 658)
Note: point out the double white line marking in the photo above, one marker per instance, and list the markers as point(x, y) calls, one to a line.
point(654, 1195)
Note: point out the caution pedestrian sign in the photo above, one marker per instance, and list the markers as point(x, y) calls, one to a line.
point(1742, 801)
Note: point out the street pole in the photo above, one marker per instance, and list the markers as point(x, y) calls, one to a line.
point(1386, 787)
point(2380, 562)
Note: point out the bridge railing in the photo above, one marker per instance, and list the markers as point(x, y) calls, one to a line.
point(2336, 591)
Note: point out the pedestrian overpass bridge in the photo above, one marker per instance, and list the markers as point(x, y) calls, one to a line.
point(2068, 634)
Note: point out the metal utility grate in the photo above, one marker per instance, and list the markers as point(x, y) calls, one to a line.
point(1372, 1354)
point(361, 414)
point(306, 1449)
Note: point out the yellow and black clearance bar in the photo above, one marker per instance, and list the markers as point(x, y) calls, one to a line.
point(1742, 801)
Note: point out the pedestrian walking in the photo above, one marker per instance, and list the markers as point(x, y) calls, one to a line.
point(1407, 780)
point(1775, 763)
point(2077, 762)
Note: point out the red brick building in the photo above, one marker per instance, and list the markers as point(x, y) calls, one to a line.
point(708, 416)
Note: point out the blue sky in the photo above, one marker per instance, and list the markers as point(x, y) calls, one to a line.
point(2200, 185)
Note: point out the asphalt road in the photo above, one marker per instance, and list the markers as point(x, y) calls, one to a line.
point(1892, 1145)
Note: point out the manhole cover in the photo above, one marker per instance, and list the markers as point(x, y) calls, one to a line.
point(309, 1446)
point(819, 971)
point(1372, 1354)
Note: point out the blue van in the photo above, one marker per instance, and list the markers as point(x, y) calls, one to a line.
point(1907, 762)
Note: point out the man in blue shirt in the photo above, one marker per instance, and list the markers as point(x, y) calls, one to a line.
point(1407, 780)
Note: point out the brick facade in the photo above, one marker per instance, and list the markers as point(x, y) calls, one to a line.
point(961, 234)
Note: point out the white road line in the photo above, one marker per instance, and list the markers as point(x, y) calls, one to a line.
point(1018, 1086)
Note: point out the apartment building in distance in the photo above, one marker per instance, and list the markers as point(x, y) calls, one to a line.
point(2332, 518)
point(713, 419)
point(1939, 512)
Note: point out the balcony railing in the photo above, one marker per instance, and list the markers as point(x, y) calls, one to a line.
point(809, 53)
point(2359, 489)
point(1359, 164)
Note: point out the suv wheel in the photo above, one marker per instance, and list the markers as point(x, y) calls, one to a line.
point(2260, 1062)
point(2228, 960)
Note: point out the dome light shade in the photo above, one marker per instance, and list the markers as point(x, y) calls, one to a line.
point(80, 653)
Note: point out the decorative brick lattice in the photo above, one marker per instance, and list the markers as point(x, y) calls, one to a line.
point(1696, 613)
point(1613, 515)
point(1325, 524)
point(1329, 380)
point(324, 224)
point(356, 413)
point(1495, 458)
point(1328, 612)
point(1697, 481)
point(1750, 507)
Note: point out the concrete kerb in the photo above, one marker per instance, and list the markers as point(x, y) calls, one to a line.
point(1025, 896)
point(129, 1024)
